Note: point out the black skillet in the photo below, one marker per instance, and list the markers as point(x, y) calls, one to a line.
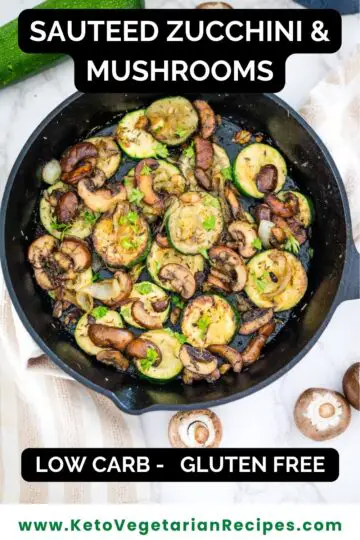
point(334, 270)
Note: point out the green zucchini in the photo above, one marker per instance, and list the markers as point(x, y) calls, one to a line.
point(306, 208)
point(172, 120)
point(276, 279)
point(194, 222)
point(16, 65)
point(248, 163)
point(148, 293)
point(209, 320)
point(110, 318)
point(221, 168)
point(122, 238)
point(170, 365)
point(109, 157)
point(159, 257)
point(135, 141)
point(81, 227)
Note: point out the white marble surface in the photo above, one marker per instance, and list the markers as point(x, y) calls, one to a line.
point(263, 419)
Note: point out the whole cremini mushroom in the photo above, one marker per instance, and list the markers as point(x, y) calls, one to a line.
point(195, 429)
point(321, 414)
point(351, 385)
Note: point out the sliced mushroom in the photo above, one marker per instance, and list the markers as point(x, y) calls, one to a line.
point(78, 162)
point(144, 181)
point(245, 236)
point(286, 208)
point(138, 348)
point(78, 252)
point(144, 318)
point(262, 212)
point(110, 336)
point(195, 429)
point(41, 249)
point(175, 315)
point(198, 361)
point(321, 414)
point(266, 179)
point(162, 241)
point(297, 230)
point(46, 280)
point(101, 200)
point(229, 262)
point(232, 198)
point(160, 305)
point(214, 282)
point(229, 354)
point(252, 351)
point(67, 207)
point(189, 377)
point(254, 319)
point(204, 153)
point(351, 385)
point(113, 358)
point(203, 178)
point(111, 292)
point(207, 118)
point(180, 278)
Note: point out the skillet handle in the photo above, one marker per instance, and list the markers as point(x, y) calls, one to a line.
point(350, 287)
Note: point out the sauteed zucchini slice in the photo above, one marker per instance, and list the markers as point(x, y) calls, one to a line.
point(134, 140)
point(99, 315)
point(109, 157)
point(159, 257)
point(306, 207)
point(170, 365)
point(276, 279)
point(122, 237)
point(152, 297)
point(221, 165)
point(81, 227)
point(172, 120)
point(248, 164)
point(194, 222)
point(209, 320)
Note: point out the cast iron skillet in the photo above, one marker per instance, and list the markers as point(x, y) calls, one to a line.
point(334, 273)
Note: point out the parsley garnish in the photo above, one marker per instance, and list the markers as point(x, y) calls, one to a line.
point(90, 217)
point(146, 171)
point(96, 277)
point(132, 218)
point(151, 357)
point(227, 173)
point(204, 253)
point(178, 302)
point(189, 152)
point(203, 324)
point(209, 223)
point(209, 200)
point(161, 150)
point(61, 227)
point(181, 132)
point(292, 245)
point(126, 243)
point(144, 288)
point(260, 281)
point(257, 243)
point(180, 337)
point(136, 196)
point(99, 312)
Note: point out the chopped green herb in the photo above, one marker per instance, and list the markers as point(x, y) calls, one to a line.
point(203, 324)
point(209, 223)
point(136, 196)
point(99, 312)
point(292, 245)
point(311, 252)
point(209, 200)
point(96, 277)
point(126, 243)
point(181, 132)
point(227, 173)
point(180, 337)
point(189, 152)
point(178, 302)
point(257, 243)
point(161, 150)
point(204, 253)
point(146, 171)
point(261, 281)
point(144, 288)
point(90, 217)
point(151, 357)
point(61, 227)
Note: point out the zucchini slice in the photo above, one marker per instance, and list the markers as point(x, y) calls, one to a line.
point(281, 292)
point(209, 320)
point(109, 157)
point(148, 293)
point(167, 179)
point(81, 227)
point(249, 162)
point(170, 365)
point(122, 237)
point(194, 222)
point(134, 140)
point(221, 168)
point(172, 120)
point(306, 207)
point(159, 257)
point(82, 279)
point(110, 318)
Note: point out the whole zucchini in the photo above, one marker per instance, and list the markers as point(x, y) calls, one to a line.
point(16, 65)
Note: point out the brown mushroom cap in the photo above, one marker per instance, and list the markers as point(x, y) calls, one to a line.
point(207, 118)
point(78, 252)
point(41, 249)
point(110, 336)
point(214, 5)
point(113, 358)
point(254, 319)
point(195, 429)
point(198, 361)
point(321, 414)
point(231, 355)
point(180, 278)
point(144, 318)
point(245, 235)
point(229, 262)
point(67, 207)
point(351, 385)
point(139, 347)
point(101, 200)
